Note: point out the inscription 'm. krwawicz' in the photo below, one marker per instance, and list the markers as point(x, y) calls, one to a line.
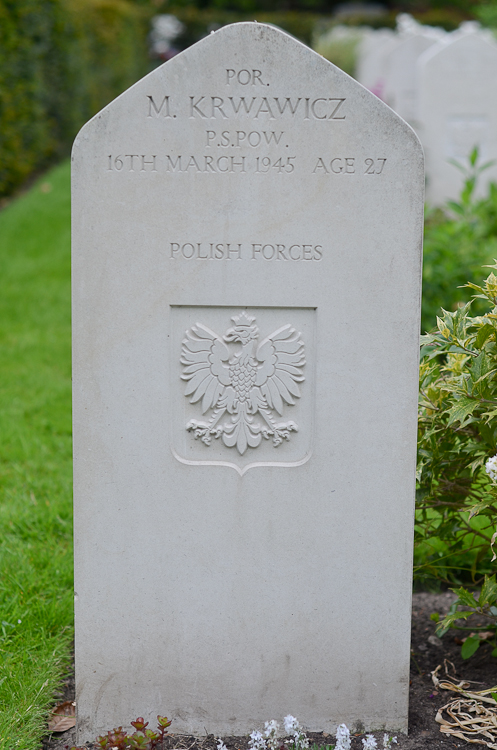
point(256, 379)
point(206, 107)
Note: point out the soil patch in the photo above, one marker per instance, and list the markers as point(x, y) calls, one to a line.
point(427, 652)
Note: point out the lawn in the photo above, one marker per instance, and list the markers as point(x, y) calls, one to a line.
point(36, 590)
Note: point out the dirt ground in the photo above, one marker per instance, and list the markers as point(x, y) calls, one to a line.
point(427, 652)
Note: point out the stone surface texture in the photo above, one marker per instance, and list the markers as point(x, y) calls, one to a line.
point(457, 110)
point(247, 225)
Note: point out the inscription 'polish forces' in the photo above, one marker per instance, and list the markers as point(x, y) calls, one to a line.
point(235, 250)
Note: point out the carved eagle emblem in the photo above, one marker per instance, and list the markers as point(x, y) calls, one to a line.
point(254, 379)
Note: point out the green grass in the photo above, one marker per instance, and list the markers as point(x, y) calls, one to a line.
point(36, 605)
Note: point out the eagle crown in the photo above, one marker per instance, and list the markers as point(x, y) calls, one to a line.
point(243, 331)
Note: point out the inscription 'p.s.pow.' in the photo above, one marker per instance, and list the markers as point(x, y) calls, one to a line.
point(257, 379)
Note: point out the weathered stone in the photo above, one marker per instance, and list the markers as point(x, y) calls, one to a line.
point(247, 245)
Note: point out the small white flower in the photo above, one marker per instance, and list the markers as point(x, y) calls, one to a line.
point(300, 740)
point(291, 724)
point(343, 738)
point(387, 741)
point(220, 744)
point(271, 727)
point(257, 741)
point(491, 468)
point(369, 743)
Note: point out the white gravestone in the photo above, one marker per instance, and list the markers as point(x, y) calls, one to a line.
point(457, 110)
point(373, 50)
point(247, 244)
point(400, 91)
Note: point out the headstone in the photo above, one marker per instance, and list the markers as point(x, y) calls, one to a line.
point(400, 82)
point(373, 51)
point(247, 237)
point(457, 110)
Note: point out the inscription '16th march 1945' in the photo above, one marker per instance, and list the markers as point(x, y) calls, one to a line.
point(256, 379)
point(242, 164)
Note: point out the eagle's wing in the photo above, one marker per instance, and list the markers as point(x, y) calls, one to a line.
point(203, 353)
point(281, 357)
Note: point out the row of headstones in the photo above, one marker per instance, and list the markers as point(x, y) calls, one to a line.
point(444, 85)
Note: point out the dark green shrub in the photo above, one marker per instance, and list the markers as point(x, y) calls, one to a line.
point(458, 242)
point(60, 62)
point(201, 21)
point(456, 500)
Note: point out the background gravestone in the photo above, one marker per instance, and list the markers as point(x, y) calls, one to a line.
point(457, 110)
point(373, 51)
point(246, 262)
point(400, 86)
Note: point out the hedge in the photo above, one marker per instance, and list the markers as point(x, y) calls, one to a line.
point(60, 62)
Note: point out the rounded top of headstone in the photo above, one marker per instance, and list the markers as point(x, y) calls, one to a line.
point(473, 28)
point(468, 44)
point(255, 73)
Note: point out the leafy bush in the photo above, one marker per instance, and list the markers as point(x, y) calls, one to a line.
point(457, 500)
point(60, 62)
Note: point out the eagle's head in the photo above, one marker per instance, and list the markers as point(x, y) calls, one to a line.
point(244, 329)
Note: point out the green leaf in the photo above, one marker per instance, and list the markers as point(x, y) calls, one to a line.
point(461, 410)
point(456, 207)
point(435, 617)
point(478, 288)
point(486, 165)
point(470, 646)
point(465, 597)
point(483, 334)
point(449, 620)
point(488, 594)
point(481, 370)
point(428, 338)
point(479, 366)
